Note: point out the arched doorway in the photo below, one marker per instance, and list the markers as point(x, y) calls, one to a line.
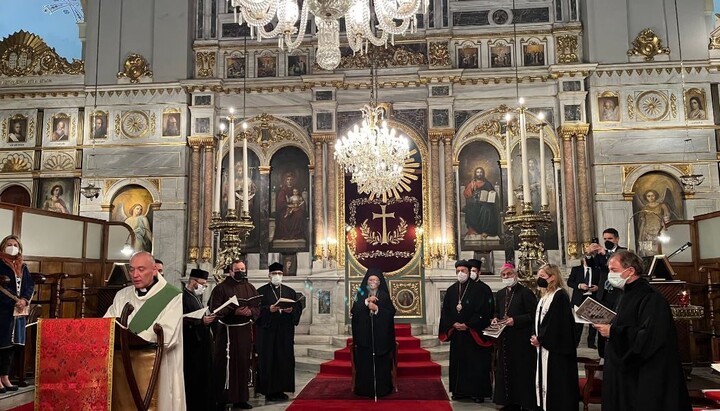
point(15, 194)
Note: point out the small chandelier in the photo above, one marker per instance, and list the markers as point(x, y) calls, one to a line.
point(90, 191)
point(387, 18)
point(377, 157)
point(688, 180)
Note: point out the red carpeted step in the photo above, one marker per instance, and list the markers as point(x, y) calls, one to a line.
point(403, 330)
point(336, 367)
point(408, 342)
point(413, 354)
point(343, 354)
point(418, 369)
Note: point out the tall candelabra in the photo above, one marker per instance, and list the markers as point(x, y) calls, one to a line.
point(524, 220)
point(232, 229)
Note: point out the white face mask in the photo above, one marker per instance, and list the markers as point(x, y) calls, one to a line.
point(473, 275)
point(200, 290)
point(12, 250)
point(276, 279)
point(462, 276)
point(509, 282)
point(616, 280)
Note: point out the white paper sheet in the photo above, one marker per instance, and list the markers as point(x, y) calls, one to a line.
point(197, 314)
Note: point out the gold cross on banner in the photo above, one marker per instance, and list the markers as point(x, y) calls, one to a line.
point(384, 217)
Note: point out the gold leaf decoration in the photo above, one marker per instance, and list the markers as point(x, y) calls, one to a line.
point(567, 49)
point(59, 162)
point(393, 237)
point(24, 54)
point(648, 45)
point(392, 56)
point(205, 63)
point(16, 162)
point(134, 67)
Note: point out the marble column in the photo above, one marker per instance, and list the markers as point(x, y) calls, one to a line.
point(569, 191)
point(435, 194)
point(194, 205)
point(263, 220)
point(332, 191)
point(317, 176)
point(583, 186)
point(450, 194)
point(208, 174)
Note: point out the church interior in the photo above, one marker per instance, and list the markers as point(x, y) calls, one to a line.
point(525, 128)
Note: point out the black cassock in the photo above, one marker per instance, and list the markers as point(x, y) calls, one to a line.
point(276, 342)
point(470, 353)
point(556, 334)
point(515, 361)
point(198, 360)
point(642, 364)
point(382, 327)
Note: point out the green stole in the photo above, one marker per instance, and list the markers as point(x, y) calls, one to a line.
point(148, 312)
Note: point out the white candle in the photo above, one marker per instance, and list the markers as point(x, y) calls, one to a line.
point(524, 158)
point(231, 162)
point(543, 184)
point(508, 156)
point(218, 171)
point(246, 196)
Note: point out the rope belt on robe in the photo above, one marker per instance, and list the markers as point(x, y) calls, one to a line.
point(227, 350)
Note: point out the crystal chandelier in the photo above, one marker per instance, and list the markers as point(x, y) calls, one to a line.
point(364, 25)
point(378, 159)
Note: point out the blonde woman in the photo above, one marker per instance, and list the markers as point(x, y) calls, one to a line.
point(556, 375)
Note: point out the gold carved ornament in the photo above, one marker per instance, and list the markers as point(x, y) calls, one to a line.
point(568, 49)
point(439, 55)
point(134, 67)
point(631, 106)
point(16, 162)
point(205, 63)
point(673, 105)
point(648, 45)
point(391, 56)
point(24, 53)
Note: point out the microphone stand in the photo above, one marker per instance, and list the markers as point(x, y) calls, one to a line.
point(372, 337)
point(680, 250)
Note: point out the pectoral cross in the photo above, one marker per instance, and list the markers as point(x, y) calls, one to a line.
point(384, 217)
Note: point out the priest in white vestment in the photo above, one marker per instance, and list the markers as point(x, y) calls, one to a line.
point(165, 309)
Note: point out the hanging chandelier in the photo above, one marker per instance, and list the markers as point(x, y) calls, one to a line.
point(378, 158)
point(363, 25)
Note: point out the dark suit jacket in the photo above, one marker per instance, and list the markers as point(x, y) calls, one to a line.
point(601, 261)
point(577, 277)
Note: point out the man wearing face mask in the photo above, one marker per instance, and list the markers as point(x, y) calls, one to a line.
point(596, 257)
point(233, 342)
point(515, 305)
point(467, 309)
point(475, 266)
point(197, 348)
point(642, 363)
point(276, 337)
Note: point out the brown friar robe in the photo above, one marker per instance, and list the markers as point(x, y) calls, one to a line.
point(232, 332)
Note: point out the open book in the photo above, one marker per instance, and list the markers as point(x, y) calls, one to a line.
point(487, 196)
point(283, 302)
point(592, 312)
point(494, 330)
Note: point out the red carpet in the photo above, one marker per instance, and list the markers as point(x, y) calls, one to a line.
point(27, 407)
point(419, 384)
point(413, 361)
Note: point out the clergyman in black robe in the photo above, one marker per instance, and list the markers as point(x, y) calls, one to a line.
point(515, 358)
point(467, 309)
point(373, 331)
point(276, 337)
point(556, 374)
point(642, 363)
point(197, 345)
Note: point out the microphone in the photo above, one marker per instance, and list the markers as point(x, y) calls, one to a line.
point(681, 249)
